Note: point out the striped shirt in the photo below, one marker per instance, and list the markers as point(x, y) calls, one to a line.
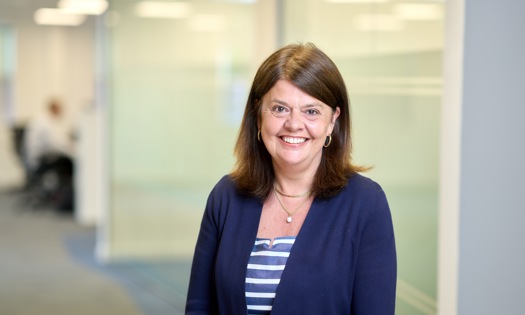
point(265, 267)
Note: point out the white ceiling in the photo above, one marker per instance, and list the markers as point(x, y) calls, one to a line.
point(26, 4)
point(15, 9)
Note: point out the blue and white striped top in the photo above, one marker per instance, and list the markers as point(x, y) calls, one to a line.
point(265, 267)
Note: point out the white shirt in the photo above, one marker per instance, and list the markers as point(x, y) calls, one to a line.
point(47, 135)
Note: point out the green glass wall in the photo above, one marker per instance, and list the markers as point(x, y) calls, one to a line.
point(390, 53)
point(179, 80)
point(7, 59)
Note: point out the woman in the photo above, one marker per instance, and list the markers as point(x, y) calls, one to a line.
point(294, 229)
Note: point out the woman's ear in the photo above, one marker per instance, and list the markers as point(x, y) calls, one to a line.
point(336, 114)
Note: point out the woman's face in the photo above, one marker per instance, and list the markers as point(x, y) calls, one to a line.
point(294, 127)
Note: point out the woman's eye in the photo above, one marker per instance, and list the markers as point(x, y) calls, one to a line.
point(312, 112)
point(279, 109)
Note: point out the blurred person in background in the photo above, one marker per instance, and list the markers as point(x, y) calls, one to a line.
point(48, 154)
point(48, 134)
point(295, 229)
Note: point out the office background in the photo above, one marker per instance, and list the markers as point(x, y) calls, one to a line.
point(182, 101)
point(158, 91)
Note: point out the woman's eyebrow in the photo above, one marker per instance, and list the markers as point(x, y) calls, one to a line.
point(279, 102)
point(309, 105)
point(313, 105)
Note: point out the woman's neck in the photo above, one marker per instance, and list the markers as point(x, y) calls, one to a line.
point(293, 183)
point(293, 179)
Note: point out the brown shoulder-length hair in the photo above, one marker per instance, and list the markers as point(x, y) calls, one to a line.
point(313, 72)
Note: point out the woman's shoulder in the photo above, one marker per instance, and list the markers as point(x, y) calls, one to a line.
point(361, 190)
point(226, 187)
point(225, 198)
point(362, 184)
point(225, 182)
point(362, 199)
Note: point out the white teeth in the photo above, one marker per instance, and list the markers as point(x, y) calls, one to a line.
point(294, 140)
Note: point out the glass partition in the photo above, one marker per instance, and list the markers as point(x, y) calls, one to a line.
point(179, 75)
point(389, 53)
point(180, 72)
point(7, 61)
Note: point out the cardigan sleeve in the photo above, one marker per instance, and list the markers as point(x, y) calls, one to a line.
point(376, 268)
point(201, 298)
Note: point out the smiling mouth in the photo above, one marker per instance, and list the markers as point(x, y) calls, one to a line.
point(293, 140)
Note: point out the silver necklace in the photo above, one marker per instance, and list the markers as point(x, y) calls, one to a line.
point(289, 219)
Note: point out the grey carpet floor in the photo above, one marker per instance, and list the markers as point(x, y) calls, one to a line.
point(47, 266)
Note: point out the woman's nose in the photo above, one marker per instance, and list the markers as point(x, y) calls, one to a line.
point(295, 119)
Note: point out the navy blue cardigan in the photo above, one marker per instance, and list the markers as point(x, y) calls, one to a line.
point(343, 260)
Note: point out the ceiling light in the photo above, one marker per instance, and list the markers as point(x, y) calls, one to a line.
point(378, 22)
point(92, 7)
point(207, 23)
point(158, 9)
point(46, 16)
point(240, 1)
point(418, 11)
point(357, 1)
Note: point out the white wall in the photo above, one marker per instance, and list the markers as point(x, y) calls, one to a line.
point(50, 62)
point(483, 260)
point(53, 61)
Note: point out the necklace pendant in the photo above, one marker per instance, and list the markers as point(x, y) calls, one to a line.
point(289, 219)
